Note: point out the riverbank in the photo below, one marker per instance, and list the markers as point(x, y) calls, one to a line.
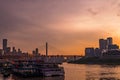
point(96, 60)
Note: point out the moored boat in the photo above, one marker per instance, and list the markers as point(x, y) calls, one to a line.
point(32, 68)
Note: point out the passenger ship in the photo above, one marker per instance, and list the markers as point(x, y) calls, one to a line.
point(29, 68)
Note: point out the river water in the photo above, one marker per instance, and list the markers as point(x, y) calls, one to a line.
point(81, 72)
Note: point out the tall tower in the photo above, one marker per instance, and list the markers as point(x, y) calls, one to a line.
point(102, 44)
point(4, 45)
point(46, 49)
point(109, 41)
point(36, 51)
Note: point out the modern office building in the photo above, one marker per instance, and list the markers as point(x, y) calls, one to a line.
point(105, 45)
point(33, 52)
point(8, 49)
point(97, 52)
point(109, 41)
point(102, 44)
point(4, 45)
point(14, 50)
point(89, 52)
point(36, 51)
point(19, 51)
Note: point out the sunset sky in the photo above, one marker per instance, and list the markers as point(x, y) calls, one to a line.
point(67, 25)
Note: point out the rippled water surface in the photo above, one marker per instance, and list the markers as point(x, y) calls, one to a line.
point(81, 72)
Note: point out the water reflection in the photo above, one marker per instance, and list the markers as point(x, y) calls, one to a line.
point(103, 72)
point(109, 78)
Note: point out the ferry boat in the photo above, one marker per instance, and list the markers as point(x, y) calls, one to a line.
point(31, 68)
point(23, 68)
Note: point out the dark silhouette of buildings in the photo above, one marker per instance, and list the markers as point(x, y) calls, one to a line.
point(14, 50)
point(4, 45)
point(97, 52)
point(104, 45)
point(109, 41)
point(19, 51)
point(8, 50)
point(36, 52)
point(89, 52)
point(113, 46)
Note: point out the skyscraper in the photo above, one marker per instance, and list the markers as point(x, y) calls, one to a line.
point(109, 41)
point(14, 50)
point(36, 51)
point(89, 52)
point(97, 52)
point(5, 45)
point(102, 44)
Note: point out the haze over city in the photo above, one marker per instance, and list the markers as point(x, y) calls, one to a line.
point(68, 25)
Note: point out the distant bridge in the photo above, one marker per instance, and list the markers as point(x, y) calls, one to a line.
point(52, 49)
point(68, 58)
point(57, 52)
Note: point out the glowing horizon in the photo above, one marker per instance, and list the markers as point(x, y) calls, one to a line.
point(67, 24)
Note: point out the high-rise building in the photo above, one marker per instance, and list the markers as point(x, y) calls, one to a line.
point(89, 52)
point(36, 51)
point(97, 52)
point(1, 51)
point(8, 50)
point(102, 44)
point(33, 52)
point(5, 45)
point(14, 50)
point(19, 51)
point(109, 41)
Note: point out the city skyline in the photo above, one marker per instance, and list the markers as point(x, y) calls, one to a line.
point(68, 25)
point(104, 46)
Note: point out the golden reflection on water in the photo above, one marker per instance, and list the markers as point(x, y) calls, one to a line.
point(92, 72)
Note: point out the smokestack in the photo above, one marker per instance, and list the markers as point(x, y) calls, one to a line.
point(46, 49)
